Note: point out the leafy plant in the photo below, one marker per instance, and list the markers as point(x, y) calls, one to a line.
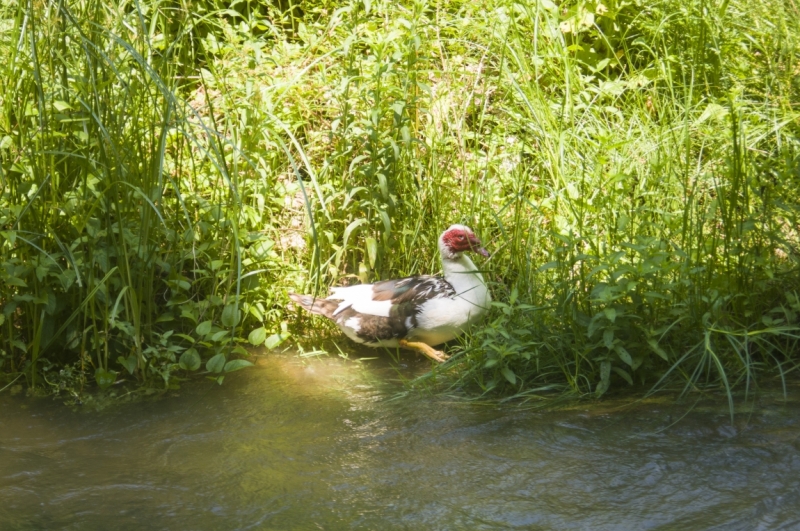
point(168, 172)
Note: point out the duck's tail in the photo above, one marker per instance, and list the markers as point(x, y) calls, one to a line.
point(315, 305)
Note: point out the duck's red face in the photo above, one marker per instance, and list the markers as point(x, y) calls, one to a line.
point(459, 240)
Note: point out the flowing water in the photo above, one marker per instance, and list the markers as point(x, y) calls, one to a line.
point(322, 444)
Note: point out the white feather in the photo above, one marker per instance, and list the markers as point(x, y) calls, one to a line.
point(354, 323)
point(342, 307)
point(360, 298)
point(370, 307)
point(344, 293)
point(349, 295)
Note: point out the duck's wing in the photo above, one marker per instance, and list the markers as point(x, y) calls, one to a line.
point(417, 289)
point(381, 298)
point(387, 309)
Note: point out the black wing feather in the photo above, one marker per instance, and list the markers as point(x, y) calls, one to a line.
point(417, 289)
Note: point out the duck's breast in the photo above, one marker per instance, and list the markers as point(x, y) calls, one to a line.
point(441, 320)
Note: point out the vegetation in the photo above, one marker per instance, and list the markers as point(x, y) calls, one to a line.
point(168, 170)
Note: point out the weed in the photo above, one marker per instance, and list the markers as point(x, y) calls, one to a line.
point(168, 172)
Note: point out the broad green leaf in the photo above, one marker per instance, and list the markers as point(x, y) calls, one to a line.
point(235, 365)
point(257, 336)
point(608, 338)
point(188, 338)
point(190, 360)
point(509, 375)
point(713, 111)
point(104, 378)
point(129, 363)
point(601, 65)
point(572, 191)
point(219, 335)
point(50, 305)
point(548, 265)
point(203, 328)
point(610, 313)
point(398, 107)
point(372, 251)
point(605, 378)
point(189, 314)
point(216, 364)
point(239, 351)
point(256, 312)
point(595, 324)
point(387, 224)
point(276, 339)
point(654, 295)
point(351, 227)
point(624, 374)
point(623, 355)
point(613, 88)
point(657, 349)
point(363, 272)
point(230, 315)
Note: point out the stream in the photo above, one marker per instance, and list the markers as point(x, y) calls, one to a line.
point(329, 443)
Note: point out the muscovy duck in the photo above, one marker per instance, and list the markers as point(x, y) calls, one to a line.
point(416, 312)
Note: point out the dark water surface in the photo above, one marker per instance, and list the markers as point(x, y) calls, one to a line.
point(320, 445)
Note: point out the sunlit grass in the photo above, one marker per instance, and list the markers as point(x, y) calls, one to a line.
point(168, 173)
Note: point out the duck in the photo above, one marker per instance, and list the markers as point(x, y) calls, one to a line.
point(417, 312)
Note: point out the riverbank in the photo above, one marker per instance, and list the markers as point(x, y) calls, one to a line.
point(169, 173)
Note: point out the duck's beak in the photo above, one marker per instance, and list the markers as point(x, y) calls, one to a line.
point(476, 246)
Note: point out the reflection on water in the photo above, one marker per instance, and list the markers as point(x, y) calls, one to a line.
point(319, 445)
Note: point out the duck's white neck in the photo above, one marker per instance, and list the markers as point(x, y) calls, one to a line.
point(465, 278)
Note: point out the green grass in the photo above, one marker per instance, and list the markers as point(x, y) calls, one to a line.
point(168, 171)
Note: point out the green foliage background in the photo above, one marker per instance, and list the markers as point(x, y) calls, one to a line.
point(169, 170)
